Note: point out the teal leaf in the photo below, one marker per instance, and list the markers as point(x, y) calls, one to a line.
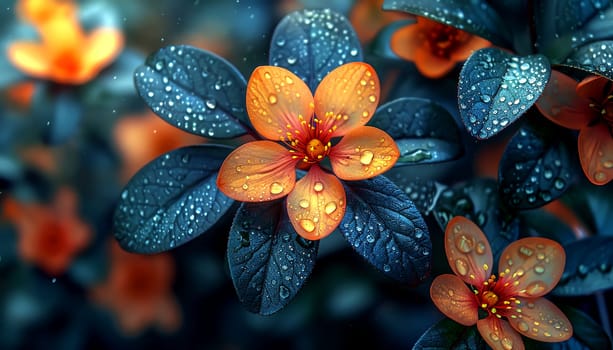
point(423, 130)
point(311, 43)
point(476, 17)
point(497, 87)
point(269, 262)
point(449, 335)
point(172, 200)
point(588, 267)
point(384, 226)
point(194, 90)
point(595, 58)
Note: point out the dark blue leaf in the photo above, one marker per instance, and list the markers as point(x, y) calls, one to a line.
point(535, 169)
point(424, 131)
point(449, 335)
point(596, 58)
point(194, 90)
point(311, 43)
point(269, 262)
point(384, 226)
point(586, 330)
point(594, 206)
point(172, 200)
point(476, 17)
point(60, 113)
point(588, 267)
point(497, 87)
point(478, 200)
point(422, 193)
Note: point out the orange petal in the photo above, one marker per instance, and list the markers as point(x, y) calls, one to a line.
point(408, 40)
point(499, 334)
point(431, 65)
point(30, 58)
point(534, 265)
point(317, 204)
point(454, 299)
point(594, 87)
point(38, 12)
point(363, 153)
point(473, 43)
point(560, 103)
point(540, 319)
point(468, 251)
point(278, 102)
point(347, 97)
point(596, 153)
point(101, 48)
point(257, 171)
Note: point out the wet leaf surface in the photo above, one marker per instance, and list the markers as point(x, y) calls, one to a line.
point(269, 262)
point(311, 43)
point(384, 226)
point(172, 200)
point(535, 169)
point(447, 334)
point(596, 58)
point(496, 88)
point(194, 90)
point(423, 130)
point(588, 267)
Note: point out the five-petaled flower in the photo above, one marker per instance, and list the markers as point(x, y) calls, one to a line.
point(528, 269)
point(49, 236)
point(586, 106)
point(282, 109)
point(65, 53)
point(435, 48)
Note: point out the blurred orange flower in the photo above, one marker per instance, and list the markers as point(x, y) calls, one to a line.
point(282, 108)
point(528, 269)
point(49, 236)
point(368, 18)
point(138, 290)
point(435, 48)
point(586, 106)
point(65, 53)
point(143, 137)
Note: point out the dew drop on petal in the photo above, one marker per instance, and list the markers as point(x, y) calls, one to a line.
point(480, 249)
point(330, 208)
point(525, 251)
point(307, 224)
point(303, 203)
point(494, 337)
point(318, 187)
point(535, 288)
point(366, 157)
point(506, 343)
point(245, 187)
point(523, 326)
point(539, 269)
point(272, 99)
point(464, 243)
point(461, 266)
point(276, 188)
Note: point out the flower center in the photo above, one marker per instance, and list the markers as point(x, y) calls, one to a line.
point(489, 298)
point(443, 39)
point(496, 296)
point(316, 150)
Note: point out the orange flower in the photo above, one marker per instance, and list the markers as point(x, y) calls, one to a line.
point(368, 18)
point(141, 138)
point(587, 107)
point(49, 236)
point(282, 108)
point(139, 291)
point(65, 53)
point(528, 269)
point(434, 47)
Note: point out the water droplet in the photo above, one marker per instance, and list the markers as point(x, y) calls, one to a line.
point(276, 188)
point(464, 243)
point(535, 288)
point(494, 337)
point(461, 266)
point(245, 187)
point(539, 269)
point(480, 248)
point(308, 225)
point(507, 344)
point(451, 293)
point(303, 203)
point(272, 99)
point(600, 176)
point(523, 326)
point(211, 104)
point(291, 60)
point(372, 98)
point(159, 65)
point(185, 158)
point(366, 157)
point(289, 80)
point(330, 208)
point(386, 268)
point(283, 292)
point(370, 239)
point(318, 187)
point(525, 251)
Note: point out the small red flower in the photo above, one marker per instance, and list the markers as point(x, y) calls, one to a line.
point(139, 291)
point(435, 48)
point(528, 269)
point(49, 236)
point(282, 109)
point(588, 107)
point(65, 53)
